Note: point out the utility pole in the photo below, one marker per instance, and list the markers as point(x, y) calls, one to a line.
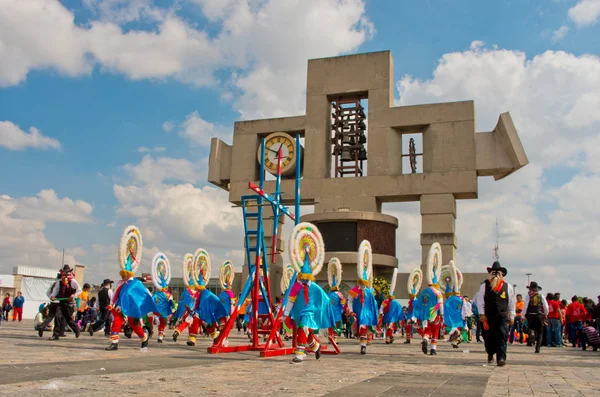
point(496, 247)
point(528, 274)
point(63, 259)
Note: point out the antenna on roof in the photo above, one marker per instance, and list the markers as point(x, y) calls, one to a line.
point(496, 247)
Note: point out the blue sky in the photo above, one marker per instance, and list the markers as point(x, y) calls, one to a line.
point(103, 102)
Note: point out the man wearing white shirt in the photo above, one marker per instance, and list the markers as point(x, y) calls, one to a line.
point(496, 306)
point(65, 292)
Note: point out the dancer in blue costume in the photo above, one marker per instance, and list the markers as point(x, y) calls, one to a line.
point(454, 316)
point(308, 305)
point(209, 310)
point(187, 303)
point(226, 276)
point(338, 301)
point(415, 280)
point(361, 299)
point(429, 306)
point(391, 311)
point(131, 299)
point(161, 277)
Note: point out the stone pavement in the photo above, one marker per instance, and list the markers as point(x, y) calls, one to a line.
point(30, 365)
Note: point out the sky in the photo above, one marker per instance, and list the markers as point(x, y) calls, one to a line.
point(107, 108)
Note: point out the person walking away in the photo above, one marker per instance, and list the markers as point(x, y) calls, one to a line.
point(518, 325)
point(497, 311)
point(105, 296)
point(575, 313)
point(536, 310)
point(554, 319)
point(18, 307)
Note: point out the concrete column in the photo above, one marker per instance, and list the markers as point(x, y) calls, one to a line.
point(438, 217)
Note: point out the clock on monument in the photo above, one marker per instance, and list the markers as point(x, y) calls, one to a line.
point(287, 144)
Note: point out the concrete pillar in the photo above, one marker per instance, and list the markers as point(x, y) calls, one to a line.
point(438, 217)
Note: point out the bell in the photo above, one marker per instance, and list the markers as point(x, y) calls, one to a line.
point(362, 126)
point(346, 155)
point(346, 140)
point(362, 139)
point(352, 141)
point(362, 154)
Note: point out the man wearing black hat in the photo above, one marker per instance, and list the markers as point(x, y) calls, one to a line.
point(65, 292)
point(496, 307)
point(104, 298)
point(536, 310)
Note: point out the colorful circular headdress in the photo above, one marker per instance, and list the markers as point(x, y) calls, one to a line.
point(448, 278)
point(226, 275)
point(365, 263)
point(434, 264)
point(334, 274)
point(161, 271)
point(188, 270)
point(286, 277)
point(307, 250)
point(201, 273)
point(130, 250)
point(459, 279)
point(415, 279)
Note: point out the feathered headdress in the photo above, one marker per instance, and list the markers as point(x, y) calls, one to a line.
point(434, 265)
point(226, 275)
point(415, 279)
point(365, 264)
point(334, 274)
point(188, 270)
point(161, 271)
point(286, 277)
point(448, 279)
point(306, 250)
point(201, 273)
point(130, 251)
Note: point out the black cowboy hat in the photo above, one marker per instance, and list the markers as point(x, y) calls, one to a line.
point(66, 269)
point(107, 281)
point(496, 267)
point(534, 285)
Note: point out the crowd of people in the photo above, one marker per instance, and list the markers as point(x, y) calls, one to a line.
point(16, 306)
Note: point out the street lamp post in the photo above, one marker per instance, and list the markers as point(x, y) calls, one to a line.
point(528, 274)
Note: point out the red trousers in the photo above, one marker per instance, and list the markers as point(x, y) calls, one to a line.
point(18, 312)
point(305, 339)
point(389, 332)
point(119, 320)
point(432, 330)
point(162, 324)
point(194, 326)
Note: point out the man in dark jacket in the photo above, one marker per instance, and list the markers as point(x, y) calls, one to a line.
point(496, 307)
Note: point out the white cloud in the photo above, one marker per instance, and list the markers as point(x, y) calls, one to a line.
point(199, 131)
point(560, 33)
point(152, 171)
point(22, 230)
point(156, 149)
point(14, 138)
point(182, 213)
point(251, 37)
point(549, 231)
point(47, 206)
point(585, 12)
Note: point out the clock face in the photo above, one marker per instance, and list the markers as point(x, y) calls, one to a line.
point(273, 144)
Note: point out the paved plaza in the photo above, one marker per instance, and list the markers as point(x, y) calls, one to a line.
point(31, 365)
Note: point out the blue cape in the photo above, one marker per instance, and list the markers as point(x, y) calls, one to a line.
point(226, 301)
point(336, 305)
point(317, 313)
point(394, 314)
point(184, 300)
point(164, 304)
point(210, 308)
point(135, 300)
point(453, 312)
point(262, 309)
point(424, 307)
point(367, 314)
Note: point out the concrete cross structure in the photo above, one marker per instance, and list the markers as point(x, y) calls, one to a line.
point(348, 209)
